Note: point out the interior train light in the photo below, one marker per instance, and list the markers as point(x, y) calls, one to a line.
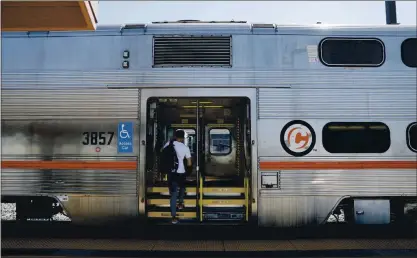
point(203, 106)
point(126, 54)
point(125, 64)
point(202, 102)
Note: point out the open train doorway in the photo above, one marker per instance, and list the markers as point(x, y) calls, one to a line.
point(218, 134)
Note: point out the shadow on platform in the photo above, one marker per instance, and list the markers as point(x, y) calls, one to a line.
point(201, 232)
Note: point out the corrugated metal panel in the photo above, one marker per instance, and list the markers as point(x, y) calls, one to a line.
point(308, 196)
point(70, 104)
point(67, 181)
point(337, 103)
point(21, 182)
point(192, 51)
point(289, 211)
point(391, 182)
point(205, 77)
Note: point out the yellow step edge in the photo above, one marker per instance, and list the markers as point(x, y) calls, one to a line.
point(224, 190)
point(205, 190)
point(166, 202)
point(215, 179)
point(181, 215)
point(224, 202)
point(194, 202)
point(166, 190)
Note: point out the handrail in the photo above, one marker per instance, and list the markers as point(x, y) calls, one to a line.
point(201, 198)
point(246, 182)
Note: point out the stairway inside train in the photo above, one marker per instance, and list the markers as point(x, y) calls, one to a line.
point(217, 131)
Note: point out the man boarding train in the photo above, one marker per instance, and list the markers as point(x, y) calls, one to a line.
point(172, 163)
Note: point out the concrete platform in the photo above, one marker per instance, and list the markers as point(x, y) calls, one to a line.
point(145, 240)
point(51, 245)
point(146, 231)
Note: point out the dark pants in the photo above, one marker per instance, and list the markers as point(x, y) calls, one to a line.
point(176, 181)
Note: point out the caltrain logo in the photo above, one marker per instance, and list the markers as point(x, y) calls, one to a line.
point(298, 138)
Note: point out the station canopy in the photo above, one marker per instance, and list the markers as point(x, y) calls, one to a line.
point(48, 15)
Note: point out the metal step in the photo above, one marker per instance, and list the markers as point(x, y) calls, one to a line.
point(193, 222)
point(215, 179)
point(206, 190)
point(159, 212)
point(223, 202)
point(224, 213)
point(212, 192)
point(165, 190)
point(223, 190)
point(209, 180)
point(159, 201)
point(167, 214)
point(193, 202)
point(223, 182)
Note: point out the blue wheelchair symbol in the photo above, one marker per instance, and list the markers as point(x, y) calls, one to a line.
point(125, 137)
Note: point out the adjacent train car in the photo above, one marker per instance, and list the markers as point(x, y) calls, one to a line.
point(287, 125)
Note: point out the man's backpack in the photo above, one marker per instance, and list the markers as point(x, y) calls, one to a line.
point(169, 159)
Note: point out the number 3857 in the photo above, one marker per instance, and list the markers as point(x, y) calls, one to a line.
point(97, 138)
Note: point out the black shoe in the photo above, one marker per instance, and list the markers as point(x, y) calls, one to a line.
point(175, 220)
point(180, 206)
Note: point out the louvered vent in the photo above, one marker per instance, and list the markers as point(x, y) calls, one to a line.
point(192, 51)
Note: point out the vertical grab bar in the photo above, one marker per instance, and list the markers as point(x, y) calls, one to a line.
point(246, 198)
point(198, 186)
point(201, 199)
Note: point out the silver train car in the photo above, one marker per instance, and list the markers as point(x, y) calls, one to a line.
point(288, 125)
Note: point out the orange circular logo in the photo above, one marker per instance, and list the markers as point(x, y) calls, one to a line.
point(298, 138)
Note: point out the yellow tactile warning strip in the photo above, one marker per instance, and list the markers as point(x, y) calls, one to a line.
point(362, 244)
point(210, 245)
point(197, 245)
point(93, 244)
point(258, 245)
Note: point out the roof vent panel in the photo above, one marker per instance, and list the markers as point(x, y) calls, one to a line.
point(192, 51)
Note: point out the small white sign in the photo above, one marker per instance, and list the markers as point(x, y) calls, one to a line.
point(312, 60)
point(312, 51)
point(269, 180)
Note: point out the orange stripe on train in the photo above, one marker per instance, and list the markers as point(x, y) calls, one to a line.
point(71, 164)
point(326, 165)
point(264, 165)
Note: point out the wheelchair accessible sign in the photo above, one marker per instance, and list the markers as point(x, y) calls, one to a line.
point(125, 137)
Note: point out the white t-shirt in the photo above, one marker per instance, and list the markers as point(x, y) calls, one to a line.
point(182, 151)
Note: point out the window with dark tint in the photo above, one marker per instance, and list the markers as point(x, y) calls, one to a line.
point(220, 141)
point(189, 140)
point(356, 137)
point(351, 52)
point(409, 52)
point(412, 137)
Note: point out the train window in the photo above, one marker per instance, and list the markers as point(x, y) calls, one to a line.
point(189, 140)
point(409, 52)
point(356, 137)
point(352, 52)
point(412, 137)
point(220, 141)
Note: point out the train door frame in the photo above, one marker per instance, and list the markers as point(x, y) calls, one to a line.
point(250, 93)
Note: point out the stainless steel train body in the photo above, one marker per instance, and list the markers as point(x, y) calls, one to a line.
point(59, 88)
